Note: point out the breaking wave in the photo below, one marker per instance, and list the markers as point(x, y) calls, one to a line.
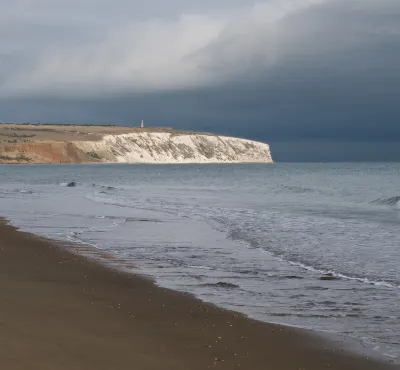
point(387, 284)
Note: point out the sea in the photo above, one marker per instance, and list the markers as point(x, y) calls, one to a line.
point(315, 246)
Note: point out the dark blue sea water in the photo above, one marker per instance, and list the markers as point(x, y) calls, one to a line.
point(252, 238)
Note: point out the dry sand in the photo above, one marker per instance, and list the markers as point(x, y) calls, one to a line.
point(60, 311)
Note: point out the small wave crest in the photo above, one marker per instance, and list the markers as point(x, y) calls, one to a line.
point(389, 201)
point(200, 267)
point(70, 184)
point(297, 189)
point(335, 275)
point(104, 187)
point(23, 191)
point(222, 284)
point(291, 277)
point(313, 315)
point(136, 219)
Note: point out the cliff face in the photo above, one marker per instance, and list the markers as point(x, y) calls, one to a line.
point(140, 147)
point(42, 152)
point(175, 148)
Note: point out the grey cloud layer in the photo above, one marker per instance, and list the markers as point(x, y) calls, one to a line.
point(99, 46)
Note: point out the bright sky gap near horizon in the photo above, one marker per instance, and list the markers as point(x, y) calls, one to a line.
point(318, 79)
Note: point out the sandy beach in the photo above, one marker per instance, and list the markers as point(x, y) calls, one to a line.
point(61, 311)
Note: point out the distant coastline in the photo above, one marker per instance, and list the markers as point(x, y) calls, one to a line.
point(56, 144)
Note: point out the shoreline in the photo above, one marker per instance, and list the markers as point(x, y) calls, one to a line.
point(62, 310)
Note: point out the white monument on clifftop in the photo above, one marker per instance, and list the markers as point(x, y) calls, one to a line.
point(142, 124)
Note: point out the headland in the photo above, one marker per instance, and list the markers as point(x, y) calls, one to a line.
point(57, 144)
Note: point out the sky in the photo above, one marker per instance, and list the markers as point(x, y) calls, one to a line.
point(318, 79)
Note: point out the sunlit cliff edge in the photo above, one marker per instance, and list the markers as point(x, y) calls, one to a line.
point(112, 144)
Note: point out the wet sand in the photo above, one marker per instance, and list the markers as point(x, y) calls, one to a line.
point(62, 311)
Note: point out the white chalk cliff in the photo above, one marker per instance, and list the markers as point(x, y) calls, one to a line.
point(119, 144)
point(171, 147)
